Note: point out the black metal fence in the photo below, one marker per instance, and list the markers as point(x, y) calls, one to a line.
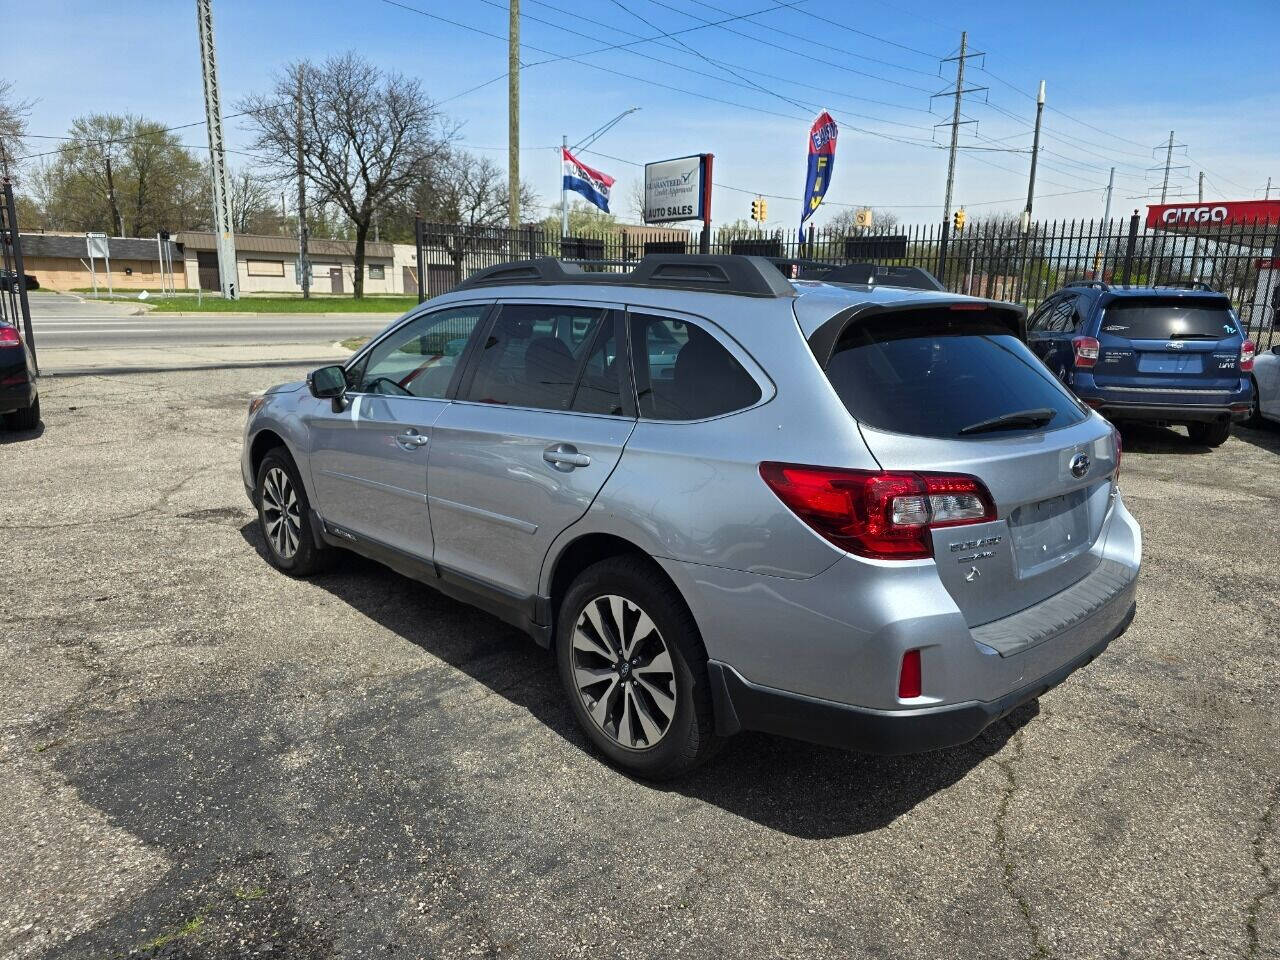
point(993, 258)
point(14, 308)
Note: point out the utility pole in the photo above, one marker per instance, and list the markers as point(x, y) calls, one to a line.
point(513, 116)
point(955, 125)
point(226, 240)
point(1168, 162)
point(304, 267)
point(1268, 194)
point(1035, 155)
point(1111, 185)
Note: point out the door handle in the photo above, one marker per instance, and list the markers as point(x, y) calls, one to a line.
point(412, 440)
point(565, 456)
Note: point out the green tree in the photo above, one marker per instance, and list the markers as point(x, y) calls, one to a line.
point(122, 175)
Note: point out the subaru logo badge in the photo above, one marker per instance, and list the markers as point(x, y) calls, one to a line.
point(1079, 465)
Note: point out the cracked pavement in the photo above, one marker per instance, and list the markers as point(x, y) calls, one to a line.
point(200, 757)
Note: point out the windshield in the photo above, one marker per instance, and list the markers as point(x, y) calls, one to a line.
point(1169, 319)
point(933, 377)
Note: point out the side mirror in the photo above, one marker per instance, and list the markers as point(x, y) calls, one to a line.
point(328, 383)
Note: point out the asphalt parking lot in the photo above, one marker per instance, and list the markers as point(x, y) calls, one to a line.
point(201, 757)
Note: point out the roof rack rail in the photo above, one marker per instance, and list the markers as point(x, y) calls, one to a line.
point(741, 275)
point(1100, 284)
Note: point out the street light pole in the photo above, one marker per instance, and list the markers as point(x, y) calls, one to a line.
point(1035, 155)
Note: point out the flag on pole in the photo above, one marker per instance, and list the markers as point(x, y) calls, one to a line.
point(822, 159)
point(580, 178)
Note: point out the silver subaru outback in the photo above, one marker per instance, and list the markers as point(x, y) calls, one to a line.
point(850, 513)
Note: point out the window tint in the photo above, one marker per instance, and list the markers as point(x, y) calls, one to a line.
point(684, 373)
point(1061, 317)
point(1169, 319)
point(532, 355)
point(931, 375)
point(1036, 322)
point(420, 358)
point(599, 390)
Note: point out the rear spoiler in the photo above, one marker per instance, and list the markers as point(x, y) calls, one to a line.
point(1009, 315)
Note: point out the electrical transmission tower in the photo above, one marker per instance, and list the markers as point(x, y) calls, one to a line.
point(955, 122)
point(217, 155)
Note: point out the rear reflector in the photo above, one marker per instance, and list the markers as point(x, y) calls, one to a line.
point(1247, 351)
point(1087, 349)
point(9, 336)
point(909, 685)
point(884, 515)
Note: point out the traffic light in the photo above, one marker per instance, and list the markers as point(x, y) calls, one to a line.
point(958, 219)
point(758, 209)
point(764, 209)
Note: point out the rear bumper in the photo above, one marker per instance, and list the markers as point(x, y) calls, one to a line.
point(742, 705)
point(16, 396)
point(1171, 412)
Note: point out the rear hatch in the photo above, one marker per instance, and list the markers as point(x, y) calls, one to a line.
point(953, 390)
point(1169, 348)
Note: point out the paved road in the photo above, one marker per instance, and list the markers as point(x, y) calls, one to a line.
point(64, 321)
point(203, 758)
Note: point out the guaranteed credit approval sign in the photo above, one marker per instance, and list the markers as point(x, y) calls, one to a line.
point(678, 189)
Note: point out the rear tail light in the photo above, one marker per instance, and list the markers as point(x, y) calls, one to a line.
point(877, 514)
point(1247, 351)
point(1086, 349)
point(909, 685)
point(9, 336)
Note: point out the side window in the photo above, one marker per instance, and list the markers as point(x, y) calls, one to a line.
point(684, 373)
point(600, 389)
point(420, 358)
point(1060, 319)
point(1035, 323)
point(532, 355)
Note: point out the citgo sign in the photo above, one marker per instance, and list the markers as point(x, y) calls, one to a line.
point(1223, 214)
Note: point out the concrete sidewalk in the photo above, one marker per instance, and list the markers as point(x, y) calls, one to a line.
point(68, 361)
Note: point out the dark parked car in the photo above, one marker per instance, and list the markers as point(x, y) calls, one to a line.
point(9, 281)
point(19, 400)
point(1164, 355)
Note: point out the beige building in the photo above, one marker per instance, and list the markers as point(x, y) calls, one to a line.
point(270, 264)
point(61, 262)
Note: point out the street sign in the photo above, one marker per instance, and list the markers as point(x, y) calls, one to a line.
point(97, 245)
point(678, 189)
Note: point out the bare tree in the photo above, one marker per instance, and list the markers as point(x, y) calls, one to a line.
point(845, 223)
point(253, 206)
point(13, 126)
point(367, 136)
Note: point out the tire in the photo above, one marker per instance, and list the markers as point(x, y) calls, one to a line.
point(1209, 434)
point(283, 518)
point(634, 695)
point(28, 418)
point(1255, 409)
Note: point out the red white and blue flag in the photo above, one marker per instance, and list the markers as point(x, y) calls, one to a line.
point(822, 160)
point(580, 178)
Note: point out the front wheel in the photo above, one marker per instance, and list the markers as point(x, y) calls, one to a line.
point(634, 669)
point(1209, 434)
point(283, 517)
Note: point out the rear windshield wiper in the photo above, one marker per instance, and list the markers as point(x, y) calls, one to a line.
point(1011, 421)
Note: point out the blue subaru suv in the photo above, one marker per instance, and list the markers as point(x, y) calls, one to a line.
point(1165, 355)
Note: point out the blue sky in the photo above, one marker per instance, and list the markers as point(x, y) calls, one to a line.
point(1120, 76)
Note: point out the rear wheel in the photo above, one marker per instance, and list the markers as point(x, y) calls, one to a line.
point(1255, 408)
point(634, 669)
point(28, 418)
point(283, 518)
point(1209, 434)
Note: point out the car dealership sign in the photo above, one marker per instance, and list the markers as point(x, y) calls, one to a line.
point(678, 189)
point(1226, 213)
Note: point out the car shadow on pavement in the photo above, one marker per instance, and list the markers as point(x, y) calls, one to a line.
point(19, 436)
point(1266, 437)
point(800, 789)
point(1147, 438)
